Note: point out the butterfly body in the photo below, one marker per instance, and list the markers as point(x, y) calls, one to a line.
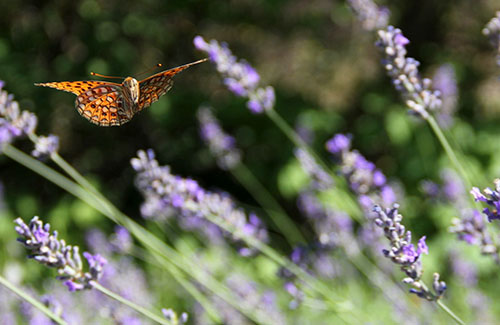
point(113, 104)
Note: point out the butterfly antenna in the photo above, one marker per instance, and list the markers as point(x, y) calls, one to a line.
point(103, 76)
point(159, 65)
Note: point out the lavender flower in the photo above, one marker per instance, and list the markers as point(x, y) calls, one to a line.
point(221, 145)
point(331, 226)
point(121, 241)
point(491, 197)
point(239, 77)
point(14, 123)
point(193, 204)
point(404, 253)
point(369, 14)
point(471, 229)
point(404, 73)
point(368, 182)
point(45, 146)
point(446, 82)
point(49, 250)
point(321, 180)
point(492, 31)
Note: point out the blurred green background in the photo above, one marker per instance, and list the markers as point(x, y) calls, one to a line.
point(323, 65)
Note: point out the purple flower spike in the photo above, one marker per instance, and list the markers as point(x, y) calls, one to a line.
point(49, 250)
point(194, 206)
point(369, 14)
point(239, 76)
point(403, 252)
point(417, 92)
point(367, 182)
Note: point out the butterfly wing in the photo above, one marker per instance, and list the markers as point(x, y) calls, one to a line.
point(104, 106)
point(76, 87)
point(152, 88)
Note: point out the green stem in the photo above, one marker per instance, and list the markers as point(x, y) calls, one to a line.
point(449, 312)
point(449, 151)
point(197, 295)
point(338, 306)
point(131, 304)
point(32, 301)
point(348, 202)
point(270, 205)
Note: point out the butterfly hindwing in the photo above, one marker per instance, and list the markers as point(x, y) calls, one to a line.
point(103, 106)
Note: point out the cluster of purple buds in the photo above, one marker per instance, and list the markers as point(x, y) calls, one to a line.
point(221, 145)
point(320, 178)
point(471, 229)
point(417, 92)
point(369, 14)
point(491, 197)
point(368, 182)
point(193, 204)
point(14, 123)
point(492, 31)
point(404, 253)
point(45, 146)
point(49, 250)
point(239, 76)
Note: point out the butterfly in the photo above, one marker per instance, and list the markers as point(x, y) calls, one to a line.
point(112, 104)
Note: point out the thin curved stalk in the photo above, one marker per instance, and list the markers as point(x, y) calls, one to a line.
point(35, 303)
point(270, 205)
point(450, 313)
point(139, 309)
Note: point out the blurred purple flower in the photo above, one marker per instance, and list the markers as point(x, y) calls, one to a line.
point(417, 92)
point(369, 14)
point(48, 250)
point(45, 146)
point(445, 81)
point(369, 183)
point(320, 178)
point(14, 123)
point(194, 205)
point(240, 78)
point(471, 229)
point(338, 143)
point(221, 145)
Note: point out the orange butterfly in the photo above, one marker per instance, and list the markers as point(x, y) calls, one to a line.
point(112, 104)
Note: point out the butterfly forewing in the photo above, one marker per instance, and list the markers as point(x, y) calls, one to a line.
point(152, 88)
point(76, 87)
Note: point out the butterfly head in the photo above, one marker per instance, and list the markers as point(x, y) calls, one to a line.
point(132, 87)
